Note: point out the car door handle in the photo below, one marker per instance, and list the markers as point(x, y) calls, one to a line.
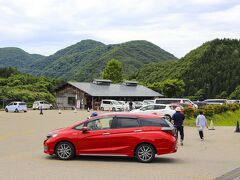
point(106, 133)
point(139, 130)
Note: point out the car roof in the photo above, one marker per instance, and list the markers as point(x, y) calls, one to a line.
point(157, 104)
point(172, 99)
point(17, 102)
point(121, 114)
point(139, 115)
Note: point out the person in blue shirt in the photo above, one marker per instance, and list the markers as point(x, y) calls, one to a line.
point(201, 123)
point(178, 118)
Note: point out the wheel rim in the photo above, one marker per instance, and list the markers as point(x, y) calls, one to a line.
point(64, 151)
point(145, 153)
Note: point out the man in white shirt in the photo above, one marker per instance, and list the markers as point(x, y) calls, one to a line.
point(201, 123)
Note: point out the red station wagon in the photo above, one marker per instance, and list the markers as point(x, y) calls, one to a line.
point(119, 134)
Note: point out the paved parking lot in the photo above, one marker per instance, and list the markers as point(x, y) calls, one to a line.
point(22, 157)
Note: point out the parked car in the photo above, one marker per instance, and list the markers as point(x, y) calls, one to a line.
point(124, 104)
point(112, 105)
point(146, 102)
point(138, 104)
point(158, 109)
point(16, 107)
point(115, 134)
point(175, 101)
point(200, 103)
point(215, 101)
point(42, 104)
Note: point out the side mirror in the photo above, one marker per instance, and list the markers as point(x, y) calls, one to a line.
point(84, 129)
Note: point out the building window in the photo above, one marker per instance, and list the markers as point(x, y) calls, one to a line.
point(72, 101)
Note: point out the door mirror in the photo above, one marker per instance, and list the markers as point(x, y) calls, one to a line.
point(84, 129)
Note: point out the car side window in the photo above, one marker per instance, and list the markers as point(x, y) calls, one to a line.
point(154, 122)
point(100, 124)
point(14, 103)
point(159, 107)
point(186, 101)
point(79, 127)
point(127, 122)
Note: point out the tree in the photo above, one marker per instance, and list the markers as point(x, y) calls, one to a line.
point(235, 94)
point(113, 71)
point(173, 88)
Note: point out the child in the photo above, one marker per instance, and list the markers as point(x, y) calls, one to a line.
point(201, 123)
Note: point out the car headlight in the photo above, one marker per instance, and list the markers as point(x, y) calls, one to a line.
point(51, 136)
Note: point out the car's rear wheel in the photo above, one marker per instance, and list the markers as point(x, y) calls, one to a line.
point(168, 117)
point(6, 110)
point(145, 153)
point(65, 151)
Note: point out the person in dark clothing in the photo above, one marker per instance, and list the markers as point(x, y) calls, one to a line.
point(130, 105)
point(178, 119)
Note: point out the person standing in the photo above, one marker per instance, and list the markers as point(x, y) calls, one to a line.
point(178, 118)
point(201, 123)
point(130, 105)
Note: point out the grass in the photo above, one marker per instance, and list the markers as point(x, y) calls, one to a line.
point(228, 118)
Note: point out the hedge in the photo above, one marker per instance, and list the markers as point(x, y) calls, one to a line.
point(210, 110)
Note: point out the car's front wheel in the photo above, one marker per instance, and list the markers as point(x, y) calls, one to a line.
point(6, 110)
point(145, 153)
point(65, 151)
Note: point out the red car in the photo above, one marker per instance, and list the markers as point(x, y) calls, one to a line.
point(120, 134)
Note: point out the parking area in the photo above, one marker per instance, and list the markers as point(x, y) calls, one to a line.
point(22, 157)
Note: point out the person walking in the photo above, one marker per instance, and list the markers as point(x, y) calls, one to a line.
point(178, 118)
point(201, 123)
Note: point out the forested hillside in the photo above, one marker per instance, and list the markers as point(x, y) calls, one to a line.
point(86, 59)
point(18, 86)
point(15, 57)
point(210, 71)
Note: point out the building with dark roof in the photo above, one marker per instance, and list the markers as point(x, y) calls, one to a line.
point(89, 95)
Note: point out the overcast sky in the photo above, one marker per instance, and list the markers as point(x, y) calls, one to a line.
point(178, 26)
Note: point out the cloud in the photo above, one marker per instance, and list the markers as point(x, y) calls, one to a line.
point(49, 25)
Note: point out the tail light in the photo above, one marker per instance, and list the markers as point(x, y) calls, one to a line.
point(169, 130)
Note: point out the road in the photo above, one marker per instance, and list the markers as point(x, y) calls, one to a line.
point(22, 157)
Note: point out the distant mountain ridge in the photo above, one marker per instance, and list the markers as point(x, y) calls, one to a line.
point(16, 57)
point(85, 60)
point(210, 71)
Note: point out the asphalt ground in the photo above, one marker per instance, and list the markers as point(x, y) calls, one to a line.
point(22, 157)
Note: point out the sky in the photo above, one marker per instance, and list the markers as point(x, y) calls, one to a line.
point(177, 26)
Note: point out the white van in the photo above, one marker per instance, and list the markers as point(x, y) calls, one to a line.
point(111, 105)
point(215, 101)
point(174, 101)
point(42, 104)
point(16, 107)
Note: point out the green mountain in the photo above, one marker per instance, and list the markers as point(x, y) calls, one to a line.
point(86, 59)
point(15, 57)
point(210, 71)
